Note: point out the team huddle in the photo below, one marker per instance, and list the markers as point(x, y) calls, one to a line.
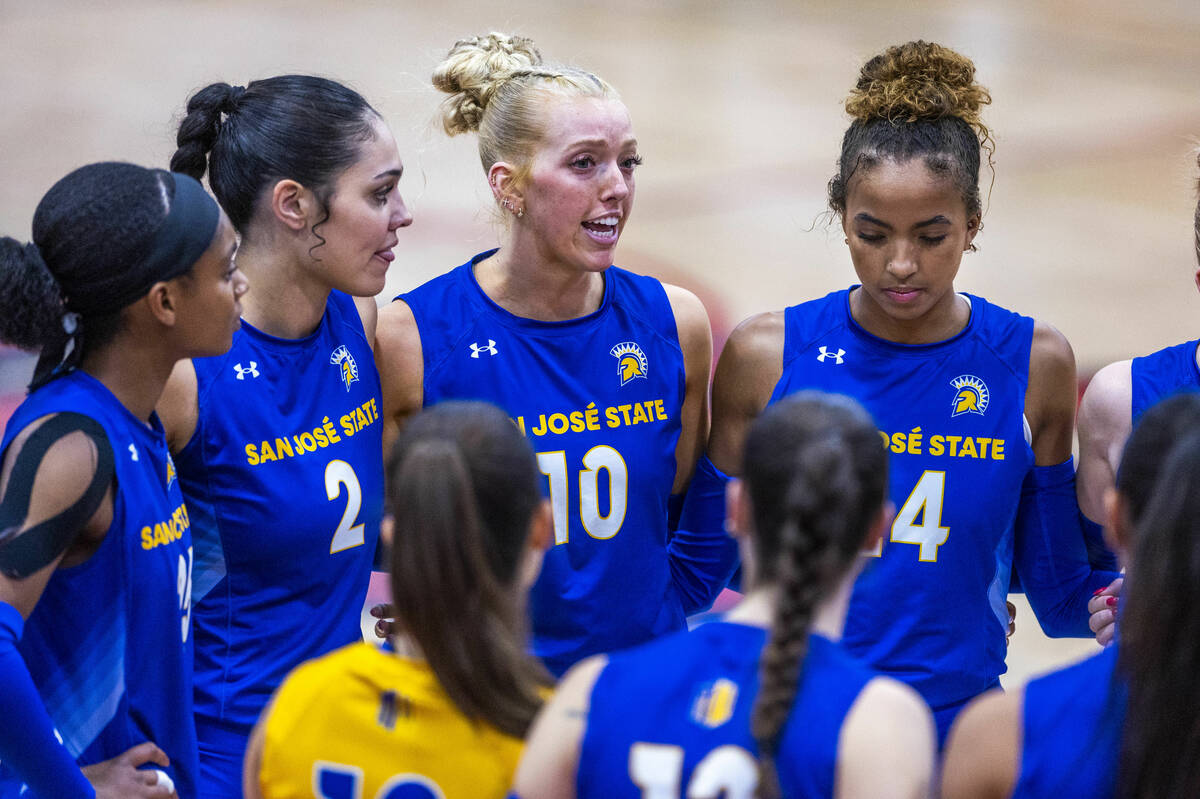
point(226, 425)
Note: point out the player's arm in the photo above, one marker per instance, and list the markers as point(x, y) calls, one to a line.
point(178, 407)
point(55, 508)
point(886, 745)
point(1105, 420)
point(695, 339)
point(1048, 547)
point(398, 357)
point(700, 555)
point(747, 372)
point(983, 751)
point(550, 761)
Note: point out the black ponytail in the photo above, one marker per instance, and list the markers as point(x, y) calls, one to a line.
point(297, 127)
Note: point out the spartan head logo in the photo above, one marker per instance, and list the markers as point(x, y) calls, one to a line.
point(170, 471)
point(970, 395)
point(714, 704)
point(349, 369)
point(631, 361)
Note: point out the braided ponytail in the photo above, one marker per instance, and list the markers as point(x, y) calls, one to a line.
point(816, 473)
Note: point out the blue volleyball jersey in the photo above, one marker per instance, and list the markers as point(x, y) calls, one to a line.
point(1071, 731)
point(284, 480)
point(929, 610)
point(672, 718)
point(109, 644)
point(1160, 374)
point(599, 398)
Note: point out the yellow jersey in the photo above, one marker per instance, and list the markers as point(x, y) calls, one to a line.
point(364, 723)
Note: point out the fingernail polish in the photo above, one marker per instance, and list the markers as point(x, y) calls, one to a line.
point(1111, 601)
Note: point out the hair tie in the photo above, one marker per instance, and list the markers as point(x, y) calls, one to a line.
point(232, 98)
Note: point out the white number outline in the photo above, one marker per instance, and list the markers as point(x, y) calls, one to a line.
point(600, 457)
point(184, 583)
point(657, 770)
point(348, 535)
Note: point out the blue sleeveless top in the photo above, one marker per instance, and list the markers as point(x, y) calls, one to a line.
point(284, 479)
point(109, 644)
point(599, 399)
point(1159, 375)
point(674, 715)
point(1072, 722)
point(930, 609)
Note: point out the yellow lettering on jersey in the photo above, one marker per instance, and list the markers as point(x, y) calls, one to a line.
point(914, 442)
point(167, 531)
point(590, 418)
point(320, 436)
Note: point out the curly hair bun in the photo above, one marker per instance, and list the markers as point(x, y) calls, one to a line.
point(473, 70)
point(916, 81)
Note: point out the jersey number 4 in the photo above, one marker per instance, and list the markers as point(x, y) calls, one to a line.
point(919, 520)
point(598, 458)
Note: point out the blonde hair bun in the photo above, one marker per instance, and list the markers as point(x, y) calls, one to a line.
point(473, 70)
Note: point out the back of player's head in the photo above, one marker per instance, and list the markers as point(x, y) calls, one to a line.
point(499, 86)
point(1159, 640)
point(1145, 451)
point(918, 99)
point(99, 243)
point(815, 470)
point(289, 127)
point(463, 486)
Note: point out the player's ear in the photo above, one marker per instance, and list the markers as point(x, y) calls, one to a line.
point(162, 300)
point(879, 526)
point(292, 204)
point(738, 513)
point(387, 529)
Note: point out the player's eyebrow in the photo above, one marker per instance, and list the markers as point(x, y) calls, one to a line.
point(934, 220)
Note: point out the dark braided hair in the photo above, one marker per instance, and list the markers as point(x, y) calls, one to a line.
point(296, 127)
point(916, 99)
point(816, 473)
point(1159, 645)
point(88, 229)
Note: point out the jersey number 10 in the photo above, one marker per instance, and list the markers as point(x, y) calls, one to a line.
point(598, 458)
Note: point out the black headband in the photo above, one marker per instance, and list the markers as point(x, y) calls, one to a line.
point(178, 243)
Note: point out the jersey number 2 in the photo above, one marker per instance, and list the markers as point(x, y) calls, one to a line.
point(602, 457)
point(348, 535)
point(925, 501)
point(657, 769)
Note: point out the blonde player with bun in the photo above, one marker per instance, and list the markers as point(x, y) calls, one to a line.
point(441, 710)
point(977, 403)
point(605, 371)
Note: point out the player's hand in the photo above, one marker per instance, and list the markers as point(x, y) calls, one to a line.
point(1103, 610)
point(387, 620)
point(1012, 621)
point(120, 777)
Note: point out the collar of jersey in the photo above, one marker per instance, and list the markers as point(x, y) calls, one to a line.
point(152, 434)
point(564, 328)
point(897, 349)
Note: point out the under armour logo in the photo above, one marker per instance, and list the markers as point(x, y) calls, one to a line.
point(490, 349)
point(133, 452)
point(837, 356)
point(241, 373)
